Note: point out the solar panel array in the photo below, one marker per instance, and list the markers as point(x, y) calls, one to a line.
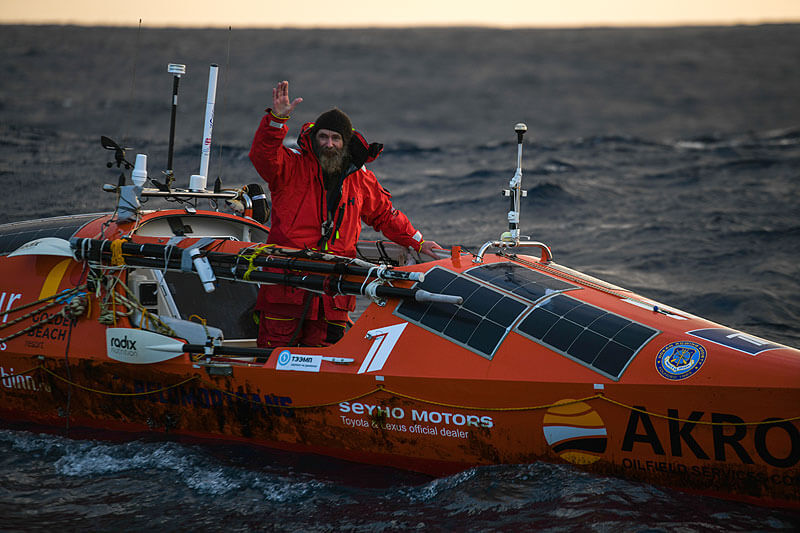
point(480, 323)
point(15, 234)
point(592, 336)
point(486, 316)
point(597, 338)
point(517, 279)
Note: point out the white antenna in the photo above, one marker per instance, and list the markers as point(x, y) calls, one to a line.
point(198, 181)
point(512, 238)
point(139, 174)
point(515, 191)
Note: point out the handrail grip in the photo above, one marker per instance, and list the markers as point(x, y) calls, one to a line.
point(546, 257)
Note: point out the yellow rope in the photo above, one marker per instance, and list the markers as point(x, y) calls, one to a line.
point(598, 396)
point(380, 388)
point(699, 422)
point(229, 393)
point(456, 406)
point(21, 373)
point(313, 406)
point(334, 402)
point(106, 393)
point(110, 283)
point(199, 356)
point(203, 322)
point(116, 252)
point(132, 302)
point(250, 258)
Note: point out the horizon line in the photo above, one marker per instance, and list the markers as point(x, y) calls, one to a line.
point(420, 25)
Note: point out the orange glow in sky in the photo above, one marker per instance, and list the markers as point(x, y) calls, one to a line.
point(361, 13)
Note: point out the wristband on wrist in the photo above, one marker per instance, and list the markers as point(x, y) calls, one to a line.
point(271, 112)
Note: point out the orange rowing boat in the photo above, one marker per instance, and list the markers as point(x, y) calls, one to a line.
point(142, 323)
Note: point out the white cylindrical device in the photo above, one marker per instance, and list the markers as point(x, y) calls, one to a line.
point(139, 174)
point(205, 152)
point(197, 183)
point(204, 270)
point(176, 68)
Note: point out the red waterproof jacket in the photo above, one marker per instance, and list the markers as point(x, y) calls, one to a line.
point(300, 207)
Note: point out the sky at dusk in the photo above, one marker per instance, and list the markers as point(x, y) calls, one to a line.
point(368, 13)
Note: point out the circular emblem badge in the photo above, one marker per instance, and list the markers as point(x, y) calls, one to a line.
point(283, 358)
point(679, 360)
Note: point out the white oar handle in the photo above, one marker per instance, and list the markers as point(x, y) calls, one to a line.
point(425, 296)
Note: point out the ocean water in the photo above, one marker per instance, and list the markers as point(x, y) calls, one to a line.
point(666, 161)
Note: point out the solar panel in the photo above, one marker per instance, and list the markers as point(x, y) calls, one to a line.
point(596, 338)
point(497, 295)
point(480, 323)
point(517, 279)
point(15, 234)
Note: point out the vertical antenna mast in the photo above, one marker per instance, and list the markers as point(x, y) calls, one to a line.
point(205, 152)
point(515, 191)
point(177, 71)
point(512, 237)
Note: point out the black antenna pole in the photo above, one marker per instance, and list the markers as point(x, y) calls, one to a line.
point(176, 70)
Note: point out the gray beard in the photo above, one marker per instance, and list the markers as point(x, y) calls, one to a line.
point(331, 161)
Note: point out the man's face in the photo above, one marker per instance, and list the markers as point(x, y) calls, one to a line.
point(329, 147)
point(329, 139)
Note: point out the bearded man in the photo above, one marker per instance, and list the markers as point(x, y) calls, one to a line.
point(320, 195)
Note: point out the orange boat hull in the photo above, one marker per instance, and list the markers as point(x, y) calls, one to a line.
point(412, 398)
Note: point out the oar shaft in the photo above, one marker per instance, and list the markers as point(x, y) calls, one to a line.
point(170, 258)
point(235, 351)
point(168, 253)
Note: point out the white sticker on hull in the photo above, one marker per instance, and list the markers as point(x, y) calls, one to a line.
point(736, 340)
point(140, 347)
point(298, 362)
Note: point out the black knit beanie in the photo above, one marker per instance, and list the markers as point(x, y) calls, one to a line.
point(335, 120)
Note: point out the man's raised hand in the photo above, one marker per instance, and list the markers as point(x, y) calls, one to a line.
point(281, 105)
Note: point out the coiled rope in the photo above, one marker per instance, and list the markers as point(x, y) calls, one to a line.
point(116, 305)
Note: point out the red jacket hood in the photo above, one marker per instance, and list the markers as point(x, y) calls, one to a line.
point(361, 152)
